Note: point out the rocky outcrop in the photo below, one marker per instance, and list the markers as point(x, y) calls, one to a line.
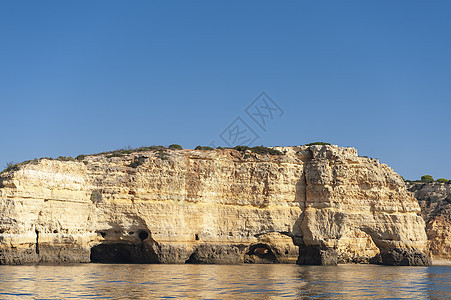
point(313, 205)
point(435, 202)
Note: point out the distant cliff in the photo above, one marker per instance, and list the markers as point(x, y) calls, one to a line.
point(310, 204)
point(435, 201)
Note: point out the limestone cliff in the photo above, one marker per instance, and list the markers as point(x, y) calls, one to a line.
point(313, 205)
point(435, 201)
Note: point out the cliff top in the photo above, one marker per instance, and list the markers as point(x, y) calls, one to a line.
point(257, 153)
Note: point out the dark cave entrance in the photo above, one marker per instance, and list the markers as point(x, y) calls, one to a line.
point(123, 253)
point(193, 259)
point(143, 235)
point(263, 252)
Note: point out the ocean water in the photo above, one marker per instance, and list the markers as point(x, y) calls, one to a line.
point(247, 281)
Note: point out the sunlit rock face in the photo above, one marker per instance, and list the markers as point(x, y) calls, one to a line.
point(435, 202)
point(313, 205)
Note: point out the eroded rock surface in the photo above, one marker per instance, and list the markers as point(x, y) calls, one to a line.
point(313, 205)
point(435, 201)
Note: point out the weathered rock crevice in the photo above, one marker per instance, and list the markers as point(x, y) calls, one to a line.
point(37, 242)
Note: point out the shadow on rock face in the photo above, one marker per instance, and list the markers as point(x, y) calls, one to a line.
point(316, 255)
point(123, 253)
point(216, 254)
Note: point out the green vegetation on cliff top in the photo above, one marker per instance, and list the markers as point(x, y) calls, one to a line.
point(161, 153)
point(429, 179)
point(317, 143)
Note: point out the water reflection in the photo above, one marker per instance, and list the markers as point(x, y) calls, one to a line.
point(357, 281)
point(93, 281)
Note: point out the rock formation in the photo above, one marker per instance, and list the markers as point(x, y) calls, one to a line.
point(435, 201)
point(313, 204)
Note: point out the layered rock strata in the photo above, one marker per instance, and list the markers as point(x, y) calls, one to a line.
point(435, 202)
point(313, 204)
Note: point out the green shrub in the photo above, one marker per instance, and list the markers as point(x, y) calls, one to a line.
point(11, 166)
point(242, 148)
point(259, 150)
point(140, 149)
point(203, 148)
point(138, 161)
point(265, 150)
point(220, 148)
point(80, 157)
point(162, 155)
point(317, 143)
point(150, 148)
point(65, 158)
point(175, 147)
point(158, 148)
point(442, 180)
point(427, 178)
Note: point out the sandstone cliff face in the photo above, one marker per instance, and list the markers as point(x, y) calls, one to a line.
point(435, 201)
point(313, 205)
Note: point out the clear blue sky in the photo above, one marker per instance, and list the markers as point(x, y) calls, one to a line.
point(79, 77)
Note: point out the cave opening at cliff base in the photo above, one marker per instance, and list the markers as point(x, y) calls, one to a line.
point(125, 252)
point(263, 252)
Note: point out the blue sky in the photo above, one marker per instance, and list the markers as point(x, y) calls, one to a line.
point(79, 77)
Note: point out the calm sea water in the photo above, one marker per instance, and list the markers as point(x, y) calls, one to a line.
point(103, 281)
